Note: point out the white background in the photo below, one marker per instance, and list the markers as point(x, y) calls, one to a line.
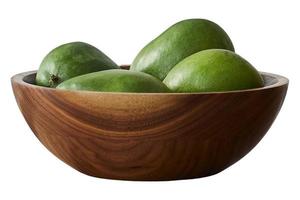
point(266, 33)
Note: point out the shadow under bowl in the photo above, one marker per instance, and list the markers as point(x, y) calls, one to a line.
point(149, 136)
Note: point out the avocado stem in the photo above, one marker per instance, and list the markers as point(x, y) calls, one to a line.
point(53, 80)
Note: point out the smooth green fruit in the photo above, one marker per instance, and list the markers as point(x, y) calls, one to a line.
point(178, 42)
point(213, 70)
point(70, 60)
point(115, 80)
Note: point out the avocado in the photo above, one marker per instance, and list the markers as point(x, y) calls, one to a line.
point(213, 70)
point(115, 80)
point(178, 42)
point(70, 60)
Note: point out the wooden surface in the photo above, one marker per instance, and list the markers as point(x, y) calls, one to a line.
point(149, 136)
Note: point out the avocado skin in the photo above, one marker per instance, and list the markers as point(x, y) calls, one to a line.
point(213, 70)
point(70, 60)
point(115, 80)
point(178, 42)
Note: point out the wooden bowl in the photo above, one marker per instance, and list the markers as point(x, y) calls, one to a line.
point(149, 136)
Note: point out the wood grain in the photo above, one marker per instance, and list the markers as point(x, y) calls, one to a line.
point(134, 136)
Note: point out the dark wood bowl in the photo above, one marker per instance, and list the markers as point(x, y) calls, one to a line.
point(154, 136)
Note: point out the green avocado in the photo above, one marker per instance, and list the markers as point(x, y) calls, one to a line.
point(70, 60)
point(213, 70)
point(178, 42)
point(115, 80)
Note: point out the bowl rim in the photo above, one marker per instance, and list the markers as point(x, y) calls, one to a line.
point(280, 81)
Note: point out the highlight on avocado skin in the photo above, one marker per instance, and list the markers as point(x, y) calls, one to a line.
point(193, 55)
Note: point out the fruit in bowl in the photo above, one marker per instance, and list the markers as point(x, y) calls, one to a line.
point(194, 55)
point(183, 110)
point(70, 60)
point(115, 81)
point(178, 42)
point(211, 71)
